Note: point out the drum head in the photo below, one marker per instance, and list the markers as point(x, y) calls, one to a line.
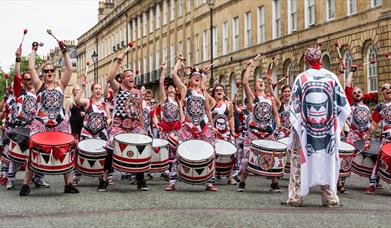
point(345, 146)
point(269, 145)
point(159, 142)
point(195, 150)
point(52, 138)
point(284, 140)
point(224, 148)
point(92, 145)
point(135, 139)
point(387, 149)
point(22, 131)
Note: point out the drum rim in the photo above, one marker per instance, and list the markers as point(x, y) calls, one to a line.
point(213, 150)
point(233, 146)
point(88, 152)
point(36, 143)
point(166, 143)
point(115, 139)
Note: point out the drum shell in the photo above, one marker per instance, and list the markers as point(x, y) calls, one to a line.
point(42, 154)
point(224, 162)
point(346, 158)
point(19, 153)
point(287, 166)
point(198, 171)
point(160, 158)
point(363, 164)
point(132, 157)
point(385, 163)
point(90, 163)
point(274, 158)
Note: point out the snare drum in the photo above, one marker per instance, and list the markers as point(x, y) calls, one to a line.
point(364, 162)
point(225, 157)
point(196, 164)
point(90, 157)
point(160, 156)
point(385, 163)
point(132, 153)
point(346, 152)
point(51, 152)
point(173, 140)
point(266, 158)
point(287, 166)
point(18, 150)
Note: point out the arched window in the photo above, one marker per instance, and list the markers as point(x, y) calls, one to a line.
point(288, 72)
point(222, 80)
point(347, 59)
point(257, 73)
point(234, 89)
point(372, 69)
point(326, 62)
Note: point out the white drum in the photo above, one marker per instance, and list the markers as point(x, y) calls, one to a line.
point(287, 166)
point(266, 158)
point(346, 152)
point(160, 156)
point(196, 164)
point(132, 153)
point(90, 157)
point(225, 157)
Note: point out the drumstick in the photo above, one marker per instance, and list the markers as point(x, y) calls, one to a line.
point(259, 55)
point(130, 44)
point(24, 34)
point(213, 63)
point(6, 79)
point(87, 65)
point(387, 55)
point(339, 55)
point(282, 79)
point(318, 45)
point(367, 63)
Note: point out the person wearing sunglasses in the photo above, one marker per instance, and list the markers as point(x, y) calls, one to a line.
point(25, 108)
point(260, 125)
point(381, 116)
point(127, 118)
point(198, 117)
point(318, 110)
point(359, 122)
point(50, 114)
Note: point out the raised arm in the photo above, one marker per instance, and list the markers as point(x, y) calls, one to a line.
point(175, 77)
point(78, 99)
point(231, 120)
point(113, 83)
point(275, 114)
point(106, 91)
point(31, 66)
point(17, 77)
point(162, 92)
point(247, 89)
point(67, 74)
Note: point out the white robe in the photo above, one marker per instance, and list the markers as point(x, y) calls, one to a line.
point(318, 111)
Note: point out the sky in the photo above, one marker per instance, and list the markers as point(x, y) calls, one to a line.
point(68, 20)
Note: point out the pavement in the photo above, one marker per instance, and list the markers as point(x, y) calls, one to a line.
point(188, 206)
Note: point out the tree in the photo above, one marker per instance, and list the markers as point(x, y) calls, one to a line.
point(39, 61)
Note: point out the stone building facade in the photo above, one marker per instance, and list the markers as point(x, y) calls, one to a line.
point(282, 29)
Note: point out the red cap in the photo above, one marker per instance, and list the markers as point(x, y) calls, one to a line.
point(337, 43)
point(24, 31)
point(237, 84)
point(130, 44)
point(137, 71)
point(88, 63)
point(6, 75)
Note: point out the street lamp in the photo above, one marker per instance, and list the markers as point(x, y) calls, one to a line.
point(94, 58)
point(211, 4)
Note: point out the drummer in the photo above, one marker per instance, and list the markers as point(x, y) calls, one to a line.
point(283, 111)
point(360, 119)
point(260, 123)
point(125, 119)
point(223, 119)
point(97, 117)
point(50, 112)
point(381, 115)
point(198, 116)
point(168, 118)
point(25, 108)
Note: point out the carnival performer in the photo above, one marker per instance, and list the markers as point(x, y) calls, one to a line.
point(260, 123)
point(97, 117)
point(168, 118)
point(50, 112)
point(381, 116)
point(223, 119)
point(359, 121)
point(125, 119)
point(25, 109)
point(318, 111)
point(283, 110)
point(75, 114)
point(197, 112)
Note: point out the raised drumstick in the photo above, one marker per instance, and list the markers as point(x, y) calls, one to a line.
point(130, 44)
point(339, 55)
point(387, 55)
point(87, 65)
point(24, 34)
point(319, 45)
point(51, 33)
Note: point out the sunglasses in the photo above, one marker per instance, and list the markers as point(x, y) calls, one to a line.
point(385, 87)
point(358, 92)
point(50, 70)
point(27, 79)
point(218, 90)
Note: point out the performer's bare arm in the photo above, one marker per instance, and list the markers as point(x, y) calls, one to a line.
point(111, 78)
point(162, 92)
point(67, 74)
point(231, 118)
point(275, 114)
point(81, 100)
point(31, 66)
point(177, 81)
point(247, 89)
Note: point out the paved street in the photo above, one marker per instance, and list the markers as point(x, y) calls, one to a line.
point(189, 206)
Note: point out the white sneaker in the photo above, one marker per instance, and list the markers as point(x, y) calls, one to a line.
point(10, 184)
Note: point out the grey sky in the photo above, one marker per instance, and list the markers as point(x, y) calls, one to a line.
point(68, 19)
